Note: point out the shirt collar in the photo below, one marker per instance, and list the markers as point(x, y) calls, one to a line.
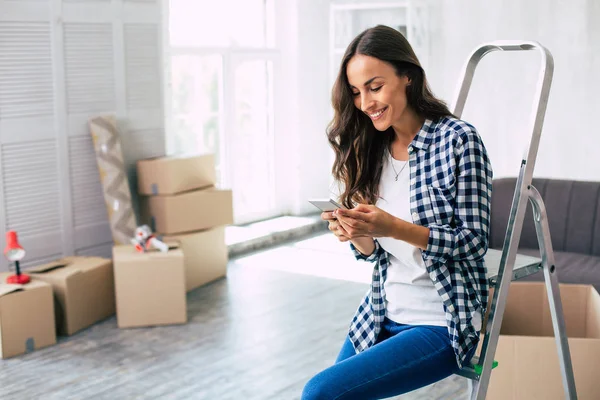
point(425, 135)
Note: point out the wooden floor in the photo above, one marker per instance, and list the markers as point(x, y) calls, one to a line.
point(261, 333)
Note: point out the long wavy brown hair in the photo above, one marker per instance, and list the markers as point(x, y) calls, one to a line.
point(359, 148)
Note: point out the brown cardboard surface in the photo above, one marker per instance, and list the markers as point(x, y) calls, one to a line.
point(149, 287)
point(528, 365)
point(175, 174)
point(523, 320)
point(189, 211)
point(83, 289)
point(26, 317)
point(205, 255)
point(592, 323)
point(575, 303)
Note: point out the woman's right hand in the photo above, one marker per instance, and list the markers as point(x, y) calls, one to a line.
point(335, 227)
point(363, 244)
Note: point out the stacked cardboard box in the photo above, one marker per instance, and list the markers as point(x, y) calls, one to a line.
point(26, 317)
point(149, 287)
point(84, 291)
point(180, 203)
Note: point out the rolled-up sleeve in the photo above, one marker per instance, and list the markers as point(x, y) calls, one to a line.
point(374, 256)
point(467, 237)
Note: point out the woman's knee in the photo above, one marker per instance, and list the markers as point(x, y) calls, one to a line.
point(316, 389)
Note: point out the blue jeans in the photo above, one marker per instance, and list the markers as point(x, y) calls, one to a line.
point(404, 358)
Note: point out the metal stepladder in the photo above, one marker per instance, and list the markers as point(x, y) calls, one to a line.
point(505, 266)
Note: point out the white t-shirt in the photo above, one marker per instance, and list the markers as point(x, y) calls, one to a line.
point(411, 297)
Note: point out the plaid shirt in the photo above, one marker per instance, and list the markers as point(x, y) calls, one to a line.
point(450, 193)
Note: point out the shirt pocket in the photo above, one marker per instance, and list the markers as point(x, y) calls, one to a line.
point(442, 204)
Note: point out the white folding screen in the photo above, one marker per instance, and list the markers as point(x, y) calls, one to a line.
point(61, 62)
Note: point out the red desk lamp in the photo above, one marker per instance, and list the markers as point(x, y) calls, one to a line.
point(14, 252)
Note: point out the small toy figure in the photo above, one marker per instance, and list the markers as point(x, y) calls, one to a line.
point(14, 252)
point(144, 240)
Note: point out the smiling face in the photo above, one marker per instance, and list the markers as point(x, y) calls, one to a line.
point(378, 91)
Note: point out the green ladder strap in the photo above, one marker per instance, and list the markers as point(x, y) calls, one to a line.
point(479, 368)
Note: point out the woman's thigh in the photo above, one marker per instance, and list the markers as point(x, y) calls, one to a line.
point(346, 351)
point(413, 358)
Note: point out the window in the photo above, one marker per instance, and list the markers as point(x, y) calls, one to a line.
point(222, 95)
point(210, 23)
point(197, 98)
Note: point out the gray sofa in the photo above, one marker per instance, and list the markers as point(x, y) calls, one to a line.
point(573, 209)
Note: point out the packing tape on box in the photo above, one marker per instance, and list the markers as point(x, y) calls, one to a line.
point(29, 345)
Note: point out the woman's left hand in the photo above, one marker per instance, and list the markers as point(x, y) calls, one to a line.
point(367, 220)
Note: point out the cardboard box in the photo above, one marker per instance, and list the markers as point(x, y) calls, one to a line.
point(175, 174)
point(205, 256)
point(84, 291)
point(528, 365)
point(26, 317)
point(149, 287)
point(188, 212)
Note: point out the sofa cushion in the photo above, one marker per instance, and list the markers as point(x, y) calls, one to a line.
point(573, 209)
point(571, 268)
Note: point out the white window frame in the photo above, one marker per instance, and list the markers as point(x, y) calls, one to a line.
point(231, 56)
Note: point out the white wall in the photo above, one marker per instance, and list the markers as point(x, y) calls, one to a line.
point(286, 108)
point(504, 84)
point(309, 108)
point(501, 95)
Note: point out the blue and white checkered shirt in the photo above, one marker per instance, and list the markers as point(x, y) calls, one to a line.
point(450, 193)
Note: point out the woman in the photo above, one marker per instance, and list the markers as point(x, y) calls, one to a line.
point(417, 185)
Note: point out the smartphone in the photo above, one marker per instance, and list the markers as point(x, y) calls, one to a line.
point(325, 205)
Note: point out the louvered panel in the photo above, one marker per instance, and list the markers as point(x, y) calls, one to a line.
point(26, 82)
point(86, 189)
point(31, 187)
point(29, 262)
point(142, 61)
point(101, 250)
point(90, 75)
point(145, 143)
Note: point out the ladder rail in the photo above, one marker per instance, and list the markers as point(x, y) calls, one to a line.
point(553, 292)
point(522, 194)
point(554, 301)
point(519, 206)
point(499, 300)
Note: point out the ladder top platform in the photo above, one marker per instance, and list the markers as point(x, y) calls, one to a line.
point(524, 266)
